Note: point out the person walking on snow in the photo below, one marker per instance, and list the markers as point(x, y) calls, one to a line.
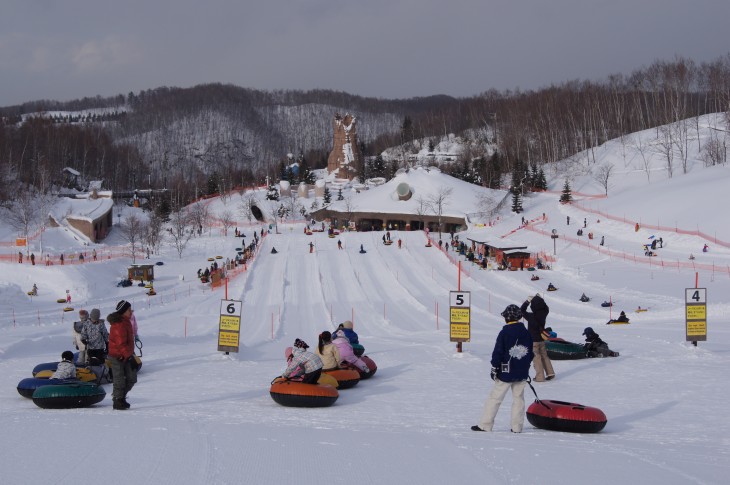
point(511, 359)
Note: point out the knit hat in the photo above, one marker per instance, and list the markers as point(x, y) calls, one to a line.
point(301, 344)
point(67, 355)
point(512, 313)
point(588, 332)
point(123, 306)
point(347, 324)
point(84, 314)
point(95, 314)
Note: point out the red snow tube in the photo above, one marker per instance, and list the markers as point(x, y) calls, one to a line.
point(299, 394)
point(346, 378)
point(371, 365)
point(565, 416)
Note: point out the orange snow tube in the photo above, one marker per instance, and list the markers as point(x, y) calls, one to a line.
point(346, 378)
point(299, 394)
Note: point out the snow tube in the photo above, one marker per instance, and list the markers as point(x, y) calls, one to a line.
point(68, 309)
point(371, 365)
point(299, 394)
point(346, 378)
point(61, 300)
point(616, 322)
point(559, 349)
point(328, 380)
point(565, 416)
point(64, 396)
point(83, 374)
point(358, 349)
point(606, 304)
point(27, 386)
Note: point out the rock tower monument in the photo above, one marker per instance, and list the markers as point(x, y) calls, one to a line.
point(345, 158)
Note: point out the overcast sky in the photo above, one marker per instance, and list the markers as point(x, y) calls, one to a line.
point(63, 50)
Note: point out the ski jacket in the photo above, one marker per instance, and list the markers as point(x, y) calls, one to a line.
point(302, 362)
point(350, 334)
point(346, 353)
point(76, 332)
point(121, 337)
point(514, 349)
point(595, 346)
point(96, 335)
point(330, 356)
point(537, 318)
point(65, 370)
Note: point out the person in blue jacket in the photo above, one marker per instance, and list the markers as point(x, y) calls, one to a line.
point(346, 328)
point(511, 361)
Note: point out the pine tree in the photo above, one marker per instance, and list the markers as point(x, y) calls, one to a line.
point(541, 181)
point(327, 196)
point(566, 197)
point(516, 200)
point(272, 193)
point(378, 167)
point(339, 195)
point(164, 210)
point(212, 185)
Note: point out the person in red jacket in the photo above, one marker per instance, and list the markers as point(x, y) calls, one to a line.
point(121, 353)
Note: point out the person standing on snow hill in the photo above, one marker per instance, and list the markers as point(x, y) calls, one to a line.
point(510, 370)
point(121, 354)
point(66, 368)
point(302, 363)
point(95, 336)
point(536, 326)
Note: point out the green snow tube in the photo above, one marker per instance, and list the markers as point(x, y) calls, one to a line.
point(558, 349)
point(67, 396)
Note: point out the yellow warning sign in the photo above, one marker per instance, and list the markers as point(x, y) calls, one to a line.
point(460, 315)
point(460, 332)
point(230, 323)
point(227, 339)
point(696, 312)
point(696, 329)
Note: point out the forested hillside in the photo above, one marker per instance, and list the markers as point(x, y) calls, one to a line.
point(179, 137)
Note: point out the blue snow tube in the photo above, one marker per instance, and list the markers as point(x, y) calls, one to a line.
point(27, 386)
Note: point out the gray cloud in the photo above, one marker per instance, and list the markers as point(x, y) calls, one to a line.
point(389, 49)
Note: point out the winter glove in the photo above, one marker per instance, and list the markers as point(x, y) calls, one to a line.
point(77, 347)
point(84, 341)
point(133, 364)
point(494, 373)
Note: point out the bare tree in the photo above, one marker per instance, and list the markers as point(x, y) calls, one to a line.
point(638, 145)
point(665, 147)
point(422, 209)
point(153, 234)
point(226, 218)
point(438, 202)
point(181, 230)
point(603, 174)
point(486, 206)
point(199, 215)
point(132, 230)
point(349, 209)
point(23, 213)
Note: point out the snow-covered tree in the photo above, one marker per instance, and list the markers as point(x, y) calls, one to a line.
point(567, 196)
